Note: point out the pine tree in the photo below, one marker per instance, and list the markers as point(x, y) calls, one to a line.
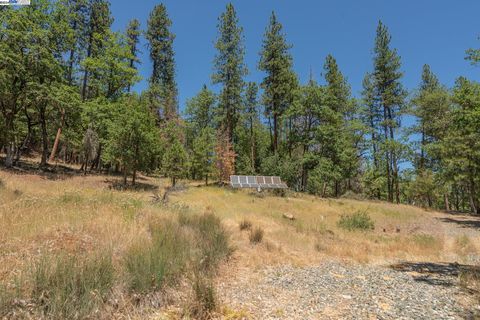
point(162, 81)
point(133, 36)
point(252, 121)
point(99, 24)
point(280, 81)
point(203, 154)
point(343, 150)
point(229, 70)
point(390, 96)
point(200, 110)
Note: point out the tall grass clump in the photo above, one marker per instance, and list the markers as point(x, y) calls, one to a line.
point(203, 303)
point(69, 287)
point(159, 262)
point(360, 221)
point(256, 236)
point(212, 240)
point(245, 225)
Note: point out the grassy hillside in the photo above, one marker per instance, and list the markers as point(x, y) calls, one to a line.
point(60, 227)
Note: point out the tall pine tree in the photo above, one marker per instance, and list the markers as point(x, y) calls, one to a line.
point(229, 70)
point(280, 81)
point(390, 96)
point(163, 86)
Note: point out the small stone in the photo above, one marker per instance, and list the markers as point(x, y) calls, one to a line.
point(289, 216)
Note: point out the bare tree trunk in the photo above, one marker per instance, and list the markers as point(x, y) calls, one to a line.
point(275, 133)
point(57, 137)
point(43, 125)
point(447, 204)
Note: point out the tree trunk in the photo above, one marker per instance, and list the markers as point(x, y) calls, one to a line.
point(125, 173)
point(275, 133)
point(447, 204)
point(134, 177)
point(43, 125)
point(10, 154)
point(53, 154)
point(206, 179)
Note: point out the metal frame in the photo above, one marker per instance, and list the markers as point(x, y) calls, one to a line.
point(257, 182)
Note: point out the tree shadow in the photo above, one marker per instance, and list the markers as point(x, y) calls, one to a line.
point(464, 222)
point(139, 186)
point(436, 274)
point(50, 172)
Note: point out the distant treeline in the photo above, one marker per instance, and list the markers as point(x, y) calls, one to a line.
point(65, 92)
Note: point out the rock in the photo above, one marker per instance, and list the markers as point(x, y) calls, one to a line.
point(289, 216)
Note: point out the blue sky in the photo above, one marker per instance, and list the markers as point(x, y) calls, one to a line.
point(436, 32)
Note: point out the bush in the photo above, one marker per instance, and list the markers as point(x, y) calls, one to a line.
point(256, 236)
point(356, 221)
point(245, 225)
point(67, 287)
point(204, 300)
point(211, 239)
point(198, 242)
point(162, 261)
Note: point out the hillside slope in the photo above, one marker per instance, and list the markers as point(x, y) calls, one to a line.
point(309, 267)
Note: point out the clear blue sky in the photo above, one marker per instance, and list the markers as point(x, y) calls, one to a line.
point(436, 32)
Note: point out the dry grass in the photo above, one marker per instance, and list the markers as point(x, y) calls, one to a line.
point(84, 216)
point(400, 232)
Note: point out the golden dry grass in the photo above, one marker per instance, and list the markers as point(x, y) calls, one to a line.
point(85, 215)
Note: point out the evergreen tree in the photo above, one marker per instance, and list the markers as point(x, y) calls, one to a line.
point(175, 157)
point(343, 149)
point(203, 154)
point(461, 145)
point(280, 81)
point(98, 29)
point(200, 110)
point(252, 115)
point(133, 36)
point(162, 82)
point(390, 96)
point(229, 70)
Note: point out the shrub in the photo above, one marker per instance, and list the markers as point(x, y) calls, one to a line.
point(204, 300)
point(356, 221)
point(151, 265)
point(245, 225)
point(256, 236)
point(67, 287)
point(211, 239)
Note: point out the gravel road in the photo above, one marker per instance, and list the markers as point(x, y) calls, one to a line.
point(336, 290)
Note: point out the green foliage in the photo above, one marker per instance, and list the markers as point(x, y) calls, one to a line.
point(175, 157)
point(150, 266)
point(229, 69)
point(357, 221)
point(203, 155)
point(72, 287)
point(163, 84)
point(132, 136)
point(280, 82)
point(211, 240)
point(195, 242)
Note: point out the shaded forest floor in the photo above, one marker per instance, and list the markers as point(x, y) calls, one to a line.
point(306, 268)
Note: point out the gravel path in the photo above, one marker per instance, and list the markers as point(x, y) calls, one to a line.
point(335, 290)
